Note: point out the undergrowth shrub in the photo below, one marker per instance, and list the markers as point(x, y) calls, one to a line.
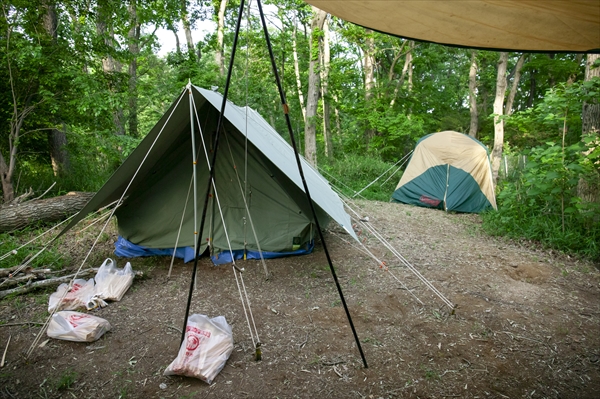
point(544, 205)
point(352, 173)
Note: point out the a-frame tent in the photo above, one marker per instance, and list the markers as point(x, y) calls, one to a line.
point(258, 187)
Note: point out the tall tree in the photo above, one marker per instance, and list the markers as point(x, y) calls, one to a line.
point(187, 27)
point(407, 63)
point(312, 98)
point(369, 76)
point(57, 139)
point(473, 95)
point(133, 44)
point(508, 109)
point(590, 127)
point(591, 110)
point(498, 111)
point(325, 61)
point(110, 64)
point(219, 57)
point(297, 70)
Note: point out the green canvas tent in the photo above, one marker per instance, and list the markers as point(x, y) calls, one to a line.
point(448, 170)
point(157, 183)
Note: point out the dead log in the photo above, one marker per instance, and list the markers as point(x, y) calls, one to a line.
point(30, 275)
point(51, 282)
point(51, 210)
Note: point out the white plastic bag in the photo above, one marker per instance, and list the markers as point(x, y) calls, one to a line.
point(76, 326)
point(77, 297)
point(111, 282)
point(205, 349)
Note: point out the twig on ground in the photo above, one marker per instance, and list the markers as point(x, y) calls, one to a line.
point(5, 350)
point(301, 345)
point(21, 324)
point(174, 328)
point(333, 363)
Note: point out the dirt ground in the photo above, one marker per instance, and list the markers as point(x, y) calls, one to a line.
point(527, 323)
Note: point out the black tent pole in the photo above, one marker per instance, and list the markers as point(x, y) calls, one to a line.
point(312, 208)
point(211, 173)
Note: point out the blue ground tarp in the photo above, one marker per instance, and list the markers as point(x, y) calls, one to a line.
point(127, 249)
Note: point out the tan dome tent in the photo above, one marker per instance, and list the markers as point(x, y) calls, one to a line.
point(519, 25)
point(448, 170)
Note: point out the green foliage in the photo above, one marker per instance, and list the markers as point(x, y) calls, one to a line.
point(558, 112)
point(52, 257)
point(543, 203)
point(352, 173)
point(66, 380)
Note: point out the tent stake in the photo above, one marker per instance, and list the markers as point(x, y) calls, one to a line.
point(211, 172)
point(312, 208)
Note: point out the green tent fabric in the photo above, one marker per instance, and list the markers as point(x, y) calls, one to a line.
point(517, 25)
point(157, 178)
point(448, 170)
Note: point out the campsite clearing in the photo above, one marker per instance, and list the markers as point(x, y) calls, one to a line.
point(527, 323)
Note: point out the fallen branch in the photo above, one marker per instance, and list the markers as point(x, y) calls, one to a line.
point(33, 274)
point(52, 282)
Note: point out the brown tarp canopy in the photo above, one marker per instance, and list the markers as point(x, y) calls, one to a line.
point(519, 25)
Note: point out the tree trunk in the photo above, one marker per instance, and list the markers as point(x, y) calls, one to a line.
point(326, 58)
point(110, 65)
point(400, 81)
point(590, 191)
point(13, 217)
point(57, 139)
point(498, 108)
point(591, 111)
point(297, 71)
point(219, 56)
point(185, 20)
point(508, 109)
point(310, 127)
point(336, 111)
point(532, 88)
point(134, 50)
point(177, 44)
point(474, 126)
point(369, 71)
point(409, 83)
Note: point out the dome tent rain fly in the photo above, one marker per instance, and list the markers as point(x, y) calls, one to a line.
point(448, 170)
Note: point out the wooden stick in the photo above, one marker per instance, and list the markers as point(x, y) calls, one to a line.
point(5, 350)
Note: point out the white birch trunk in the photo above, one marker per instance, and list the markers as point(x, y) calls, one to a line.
point(498, 111)
point(297, 72)
point(508, 109)
point(474, 126)
point(310, 127)
point(325, 60)
point(369, 72)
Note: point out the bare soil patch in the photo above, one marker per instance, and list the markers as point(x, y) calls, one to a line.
point(527, 323)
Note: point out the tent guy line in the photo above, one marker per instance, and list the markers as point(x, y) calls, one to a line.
point(120, 200)
point(285, 108)
point(368, 226)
